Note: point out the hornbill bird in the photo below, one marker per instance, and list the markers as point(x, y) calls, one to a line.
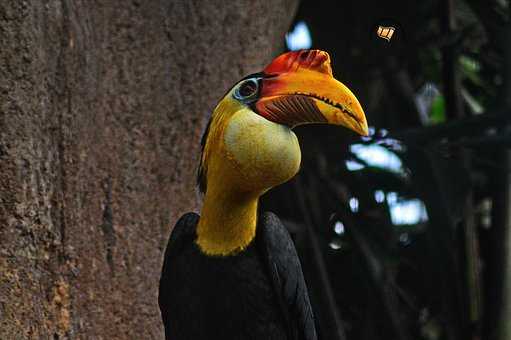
point(233, 273)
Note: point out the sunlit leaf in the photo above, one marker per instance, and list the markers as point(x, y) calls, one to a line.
point(470, 69)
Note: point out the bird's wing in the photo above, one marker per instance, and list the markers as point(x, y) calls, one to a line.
point(284, 266)
point(182, 234)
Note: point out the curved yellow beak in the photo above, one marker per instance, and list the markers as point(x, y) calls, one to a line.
point(298, 88)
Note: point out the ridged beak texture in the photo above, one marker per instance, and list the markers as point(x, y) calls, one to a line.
point(298, 88)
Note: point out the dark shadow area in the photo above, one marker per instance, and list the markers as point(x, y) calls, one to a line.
point(403, 235)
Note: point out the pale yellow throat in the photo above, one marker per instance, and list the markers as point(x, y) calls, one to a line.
point(247, 156)
point(227, 224)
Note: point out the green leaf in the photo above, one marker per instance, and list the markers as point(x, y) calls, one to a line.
point(470, 69)
point(437, 111)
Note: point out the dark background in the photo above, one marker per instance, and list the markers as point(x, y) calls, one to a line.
point(438, 96)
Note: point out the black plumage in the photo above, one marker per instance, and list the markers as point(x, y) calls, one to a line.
point(258, 293)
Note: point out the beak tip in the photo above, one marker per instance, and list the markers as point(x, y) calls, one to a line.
point(364, 131)
point(362, 124)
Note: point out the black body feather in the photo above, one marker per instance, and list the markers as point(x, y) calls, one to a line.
point(258, 293)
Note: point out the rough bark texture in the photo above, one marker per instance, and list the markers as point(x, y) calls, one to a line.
point(102, 104)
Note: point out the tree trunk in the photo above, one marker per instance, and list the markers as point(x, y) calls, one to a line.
point(102, 105)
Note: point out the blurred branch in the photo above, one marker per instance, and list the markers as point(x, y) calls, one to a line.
point(334, 329)
point(402, 87)
point(379, 275)
point(459, 128)
point(498, 293)
point(466, 306)
point(431, 182)
point(491, 19)
point(450, 65)
point(502, 231)
point(498, 141)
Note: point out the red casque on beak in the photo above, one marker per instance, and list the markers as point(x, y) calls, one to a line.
point(298, 88)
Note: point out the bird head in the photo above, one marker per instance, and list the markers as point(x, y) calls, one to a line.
point(249, 145)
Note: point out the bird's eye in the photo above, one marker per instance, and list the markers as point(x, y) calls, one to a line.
point(247, 89)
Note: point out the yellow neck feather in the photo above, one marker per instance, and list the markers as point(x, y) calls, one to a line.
point(228, 216)
point(244, 156)
point(228, 222)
